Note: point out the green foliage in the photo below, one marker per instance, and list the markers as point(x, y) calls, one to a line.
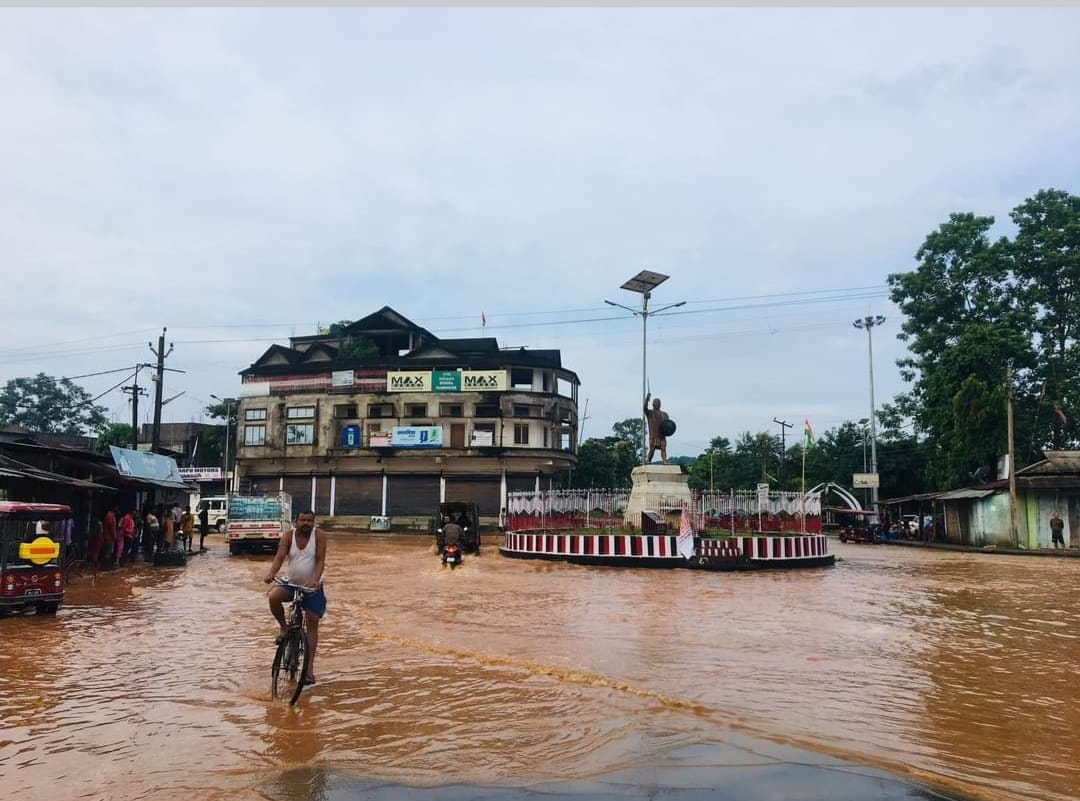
point(49, 405)
point(974, 309)
point(607, 462)
point(334, 328)
point(357, 347)
point(211, 451)
point(118, 434)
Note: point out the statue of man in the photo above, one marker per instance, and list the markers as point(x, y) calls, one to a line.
point(657, 438)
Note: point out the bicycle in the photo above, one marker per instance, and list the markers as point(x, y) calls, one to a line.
point(292, 660)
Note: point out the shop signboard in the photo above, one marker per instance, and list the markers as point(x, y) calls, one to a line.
point(860, 480)
point(341, 378)
point(411, 381)
point(483, 439)
point(484, 380)
point(200, 473)
point(446, 381)
point(350, 437)
point(416, 437)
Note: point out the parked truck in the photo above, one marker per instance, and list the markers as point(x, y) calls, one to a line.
point(256, 522)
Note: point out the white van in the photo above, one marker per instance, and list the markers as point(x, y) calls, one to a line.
point(217, 506)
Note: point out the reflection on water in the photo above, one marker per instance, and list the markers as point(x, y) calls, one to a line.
point(959, 668)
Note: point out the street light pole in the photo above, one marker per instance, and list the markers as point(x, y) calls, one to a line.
point(644, 282)
point(868, 323)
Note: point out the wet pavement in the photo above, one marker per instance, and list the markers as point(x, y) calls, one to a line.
point(895, 671)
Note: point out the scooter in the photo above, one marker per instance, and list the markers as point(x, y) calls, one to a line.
point(451, 555)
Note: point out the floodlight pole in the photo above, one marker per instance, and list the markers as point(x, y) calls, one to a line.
point(868, 323)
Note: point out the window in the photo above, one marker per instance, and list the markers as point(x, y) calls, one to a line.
point(380, 410)
point(521, 378)
point(416, 409)
point(451, 410)
point(526, 411)
point(255, 414)
point(255, 435)
point(300, 412)
point(345, 411)
point(487, 410)
point(299, 434)
point(521, 433)
point(545, 437)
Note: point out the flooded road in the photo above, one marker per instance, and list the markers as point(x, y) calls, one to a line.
point(960, 669)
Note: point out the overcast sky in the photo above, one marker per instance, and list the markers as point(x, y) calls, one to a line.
point(242, 175)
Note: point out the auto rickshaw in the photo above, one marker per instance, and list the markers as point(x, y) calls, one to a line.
point(30, 569)
point(465, 519)
point(858, 525)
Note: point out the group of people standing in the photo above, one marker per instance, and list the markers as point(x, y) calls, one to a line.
point(117, 539)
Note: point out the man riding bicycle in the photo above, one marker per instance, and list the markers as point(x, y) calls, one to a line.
point(305, 548)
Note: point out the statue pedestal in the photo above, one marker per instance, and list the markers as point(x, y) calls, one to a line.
point(660, 487)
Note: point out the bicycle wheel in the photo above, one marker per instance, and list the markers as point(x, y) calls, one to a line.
point(279, 671)
point(298, 668)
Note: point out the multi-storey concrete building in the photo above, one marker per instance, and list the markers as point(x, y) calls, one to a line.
point(381, 417)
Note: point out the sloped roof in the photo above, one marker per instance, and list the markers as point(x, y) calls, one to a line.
point(966, 493)
point(1055, 463)
point(276, 354)
point(385, 320)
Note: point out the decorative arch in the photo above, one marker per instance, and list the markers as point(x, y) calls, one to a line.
point(826, 486)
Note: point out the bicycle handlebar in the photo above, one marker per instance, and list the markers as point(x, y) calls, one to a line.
point(283, 583)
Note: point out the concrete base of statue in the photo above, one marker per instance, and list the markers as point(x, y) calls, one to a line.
point(660, 487)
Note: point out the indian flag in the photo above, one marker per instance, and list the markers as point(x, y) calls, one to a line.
point(808, 434)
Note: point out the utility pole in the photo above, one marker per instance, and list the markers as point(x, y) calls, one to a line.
point(135, 391)
point(159, 379)
point(1012, 457)
point(784, 426)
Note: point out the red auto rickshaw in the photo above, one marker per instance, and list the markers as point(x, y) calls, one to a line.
point(30, 569)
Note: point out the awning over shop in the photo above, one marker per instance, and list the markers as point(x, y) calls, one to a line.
point(12, 468)
point(965, 494)
point(149, 468)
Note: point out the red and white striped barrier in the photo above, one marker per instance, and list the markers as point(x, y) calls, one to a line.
point(659, 548)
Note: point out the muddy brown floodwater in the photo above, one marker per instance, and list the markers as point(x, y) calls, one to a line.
point(959, 669)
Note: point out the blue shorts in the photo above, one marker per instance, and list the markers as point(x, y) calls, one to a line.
point(314, 602)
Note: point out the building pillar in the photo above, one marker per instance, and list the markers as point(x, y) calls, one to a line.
point(312, 507)
point(384, 486)
point(333, 493)
point(442, 488)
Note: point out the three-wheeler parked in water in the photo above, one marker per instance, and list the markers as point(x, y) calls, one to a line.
point(31, 574)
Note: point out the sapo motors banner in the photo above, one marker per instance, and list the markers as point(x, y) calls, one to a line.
point(448, 381)
point(201, 473)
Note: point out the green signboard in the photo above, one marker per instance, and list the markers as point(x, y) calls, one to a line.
point(446, 381)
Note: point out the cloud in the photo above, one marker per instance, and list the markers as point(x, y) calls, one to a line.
point(227, 168)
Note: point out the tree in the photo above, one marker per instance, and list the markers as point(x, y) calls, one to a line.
point(1045, 260)
point(964, 326)
point(119, 434)
point(50, 406)
point(714, 469)
point(211, 452)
